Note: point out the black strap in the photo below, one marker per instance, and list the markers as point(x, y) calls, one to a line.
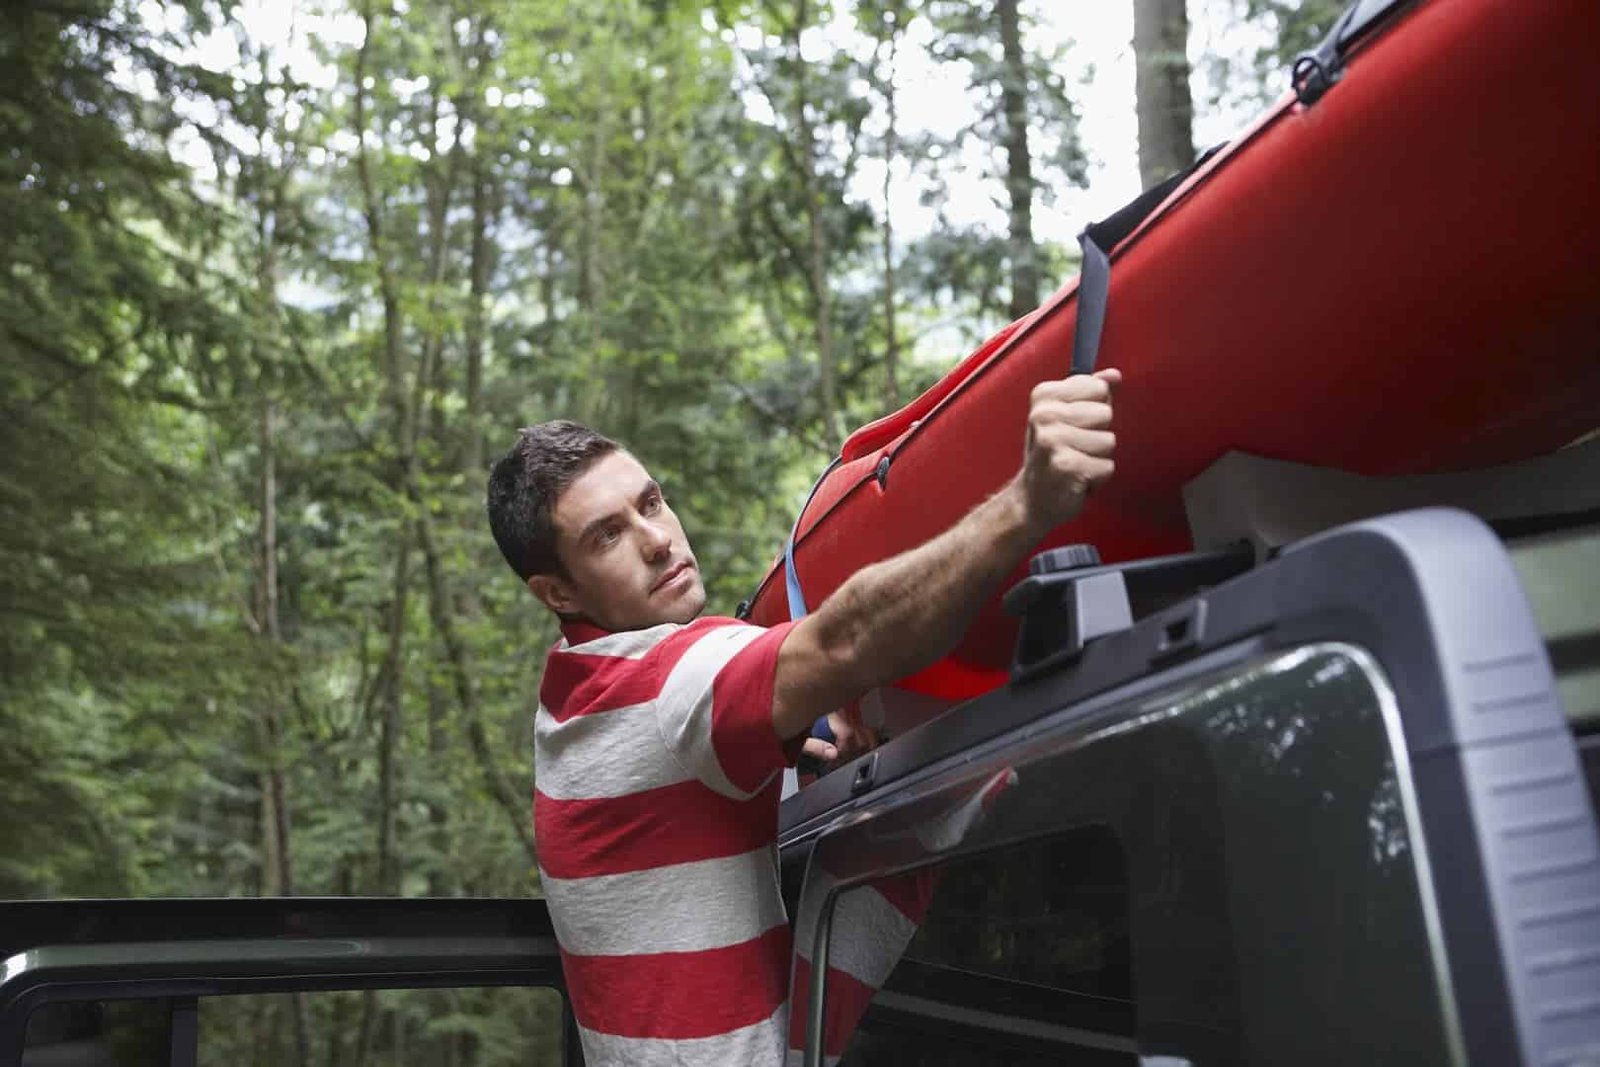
point(1094, 281)
point(1316, 71)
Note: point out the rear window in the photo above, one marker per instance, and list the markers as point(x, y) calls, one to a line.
point(1021, 957)
point(1222, 873)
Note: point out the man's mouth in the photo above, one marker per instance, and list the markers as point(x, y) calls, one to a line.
point(672, 575)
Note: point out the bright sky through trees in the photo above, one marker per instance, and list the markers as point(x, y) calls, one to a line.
point(1098, 36)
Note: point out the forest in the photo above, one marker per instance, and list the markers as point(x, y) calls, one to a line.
point(285, 276)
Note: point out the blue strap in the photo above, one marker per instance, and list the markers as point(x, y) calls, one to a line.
point(797, 609)
point(791, 577)
point(797, 596)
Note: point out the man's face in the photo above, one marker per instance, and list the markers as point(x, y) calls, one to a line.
point(628, 562)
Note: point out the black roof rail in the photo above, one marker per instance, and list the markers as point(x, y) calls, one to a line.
point(179, 949)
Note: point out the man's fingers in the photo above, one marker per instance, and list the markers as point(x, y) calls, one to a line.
point(818, 749)
point(1064, 436)
point(1077, 387)
point(851, 736)
point(1070, 442)
point(861, 739)
point(1091, 471)
point(1090, 414)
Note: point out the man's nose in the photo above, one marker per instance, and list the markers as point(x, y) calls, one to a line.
point(657, 540)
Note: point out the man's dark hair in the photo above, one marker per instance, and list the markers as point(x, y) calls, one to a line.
point(526, 483)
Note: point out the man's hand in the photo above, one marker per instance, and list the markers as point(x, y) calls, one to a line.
point(897, 616)
point(851, 737)
point(1069, 446)
point(819, 750)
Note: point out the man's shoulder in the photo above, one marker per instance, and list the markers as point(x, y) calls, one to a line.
point(641, 644)
point(617, 644)
point(635, 661)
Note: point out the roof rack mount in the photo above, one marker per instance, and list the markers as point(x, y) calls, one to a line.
point(1070, 598)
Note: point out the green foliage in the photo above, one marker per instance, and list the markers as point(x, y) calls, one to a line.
point(969, 34)
point(115, 333)
point(1292, 27)
point(513, 1027)
point(255, 636)
point(1300, 24)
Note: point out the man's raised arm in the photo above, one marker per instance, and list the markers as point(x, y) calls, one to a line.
point(902, 614)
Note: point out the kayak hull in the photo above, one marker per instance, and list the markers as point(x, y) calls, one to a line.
point(1402, 278)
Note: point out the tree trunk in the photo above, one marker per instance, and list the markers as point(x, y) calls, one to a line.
point(481, 269)
point(367, 1034)
point(388, 874)
point(439, 602)
point(277, 867)
point(1166, 112)
point(891, 146)
point(394, 370)
point(404, 440)
point(276, 854)
point(438, 815)
point(591, 223)
point(549, 271)
point(817, 251)
point(1024, 254)
point(277, 864)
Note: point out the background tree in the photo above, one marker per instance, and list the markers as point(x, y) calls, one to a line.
point(115, 340)
point(282, 280)
point(1025, 113)
point(1166, 112)
point(886, 21)
point(1255, 76)
point(1299, 24)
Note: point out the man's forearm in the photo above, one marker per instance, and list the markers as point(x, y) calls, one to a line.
point(900, 615)
point(896, 617)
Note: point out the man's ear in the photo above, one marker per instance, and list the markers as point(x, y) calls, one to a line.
point(554, 593)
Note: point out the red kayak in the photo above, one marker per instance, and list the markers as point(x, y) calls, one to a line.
point(1395, 271)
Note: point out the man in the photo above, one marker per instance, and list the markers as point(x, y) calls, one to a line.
point(661, 737)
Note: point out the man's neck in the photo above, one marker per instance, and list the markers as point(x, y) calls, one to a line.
point(580, 631)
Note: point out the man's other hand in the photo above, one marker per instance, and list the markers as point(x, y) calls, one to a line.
point(851, 737)
point(1069, 445)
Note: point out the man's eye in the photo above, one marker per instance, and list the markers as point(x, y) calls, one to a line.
point(607, 536)
point(653, 503)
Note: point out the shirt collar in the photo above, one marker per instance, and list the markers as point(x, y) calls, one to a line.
point(581, 632)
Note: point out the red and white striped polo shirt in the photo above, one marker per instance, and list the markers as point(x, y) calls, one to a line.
point(657, 774)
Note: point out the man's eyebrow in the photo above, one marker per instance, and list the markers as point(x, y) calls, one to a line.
point(595, 525)
point(650, 487)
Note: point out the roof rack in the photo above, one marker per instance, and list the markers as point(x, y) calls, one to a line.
point(1069, 598)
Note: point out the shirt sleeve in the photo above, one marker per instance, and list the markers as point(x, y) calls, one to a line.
point(715, 707)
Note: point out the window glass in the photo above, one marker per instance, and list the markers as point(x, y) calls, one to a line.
point(1220, 874)
point(476, 1027)
point(116, 1033)
point(1019, 956)
point(487, 1027)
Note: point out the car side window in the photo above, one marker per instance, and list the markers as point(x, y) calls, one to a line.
point(1215, 873)
point(1020, 956)
point(482, 1027)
